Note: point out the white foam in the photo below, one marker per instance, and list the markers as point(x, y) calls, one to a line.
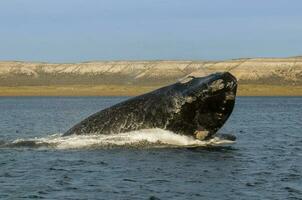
point(141, 138)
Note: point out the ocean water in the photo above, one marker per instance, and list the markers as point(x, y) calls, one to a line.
point(35, 162)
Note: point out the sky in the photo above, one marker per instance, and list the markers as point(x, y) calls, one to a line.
point(89, 30)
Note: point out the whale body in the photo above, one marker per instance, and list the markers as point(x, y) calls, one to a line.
point(195, 106)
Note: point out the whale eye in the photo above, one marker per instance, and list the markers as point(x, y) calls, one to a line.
point(186, 79)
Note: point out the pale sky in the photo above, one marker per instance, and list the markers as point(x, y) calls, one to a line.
point(83, 30)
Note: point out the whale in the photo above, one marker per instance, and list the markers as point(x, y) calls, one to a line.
point(194, 106)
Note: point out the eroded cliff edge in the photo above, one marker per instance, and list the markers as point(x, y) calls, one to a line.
point(270, 72)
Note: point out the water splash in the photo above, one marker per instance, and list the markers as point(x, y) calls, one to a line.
point(147, 138)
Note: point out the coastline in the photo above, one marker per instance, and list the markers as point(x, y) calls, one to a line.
point(131, 90)
point(256, 76)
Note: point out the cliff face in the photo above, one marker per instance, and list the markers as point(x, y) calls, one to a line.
point(269, 71)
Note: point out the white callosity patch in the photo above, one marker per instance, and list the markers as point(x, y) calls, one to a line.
point(217, 85)
point(230, 96)
point(146, 138)
point(190, 99)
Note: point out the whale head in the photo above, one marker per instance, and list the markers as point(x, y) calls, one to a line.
point(203, 104)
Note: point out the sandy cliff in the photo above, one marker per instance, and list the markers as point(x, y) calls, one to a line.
point(271, 71)
point(149, 74)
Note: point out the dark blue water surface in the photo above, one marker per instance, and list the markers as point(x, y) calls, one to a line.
point(265, 163)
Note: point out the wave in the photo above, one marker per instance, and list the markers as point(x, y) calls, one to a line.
point(147, 138)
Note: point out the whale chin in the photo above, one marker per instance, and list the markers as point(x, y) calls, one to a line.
point(197, 106)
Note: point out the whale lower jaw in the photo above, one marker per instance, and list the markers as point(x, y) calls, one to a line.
point(205, 136)
point(225, 136)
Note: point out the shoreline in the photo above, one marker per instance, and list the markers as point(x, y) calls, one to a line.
point(131, 90)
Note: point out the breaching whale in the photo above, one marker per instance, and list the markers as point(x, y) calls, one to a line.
point(195, 106)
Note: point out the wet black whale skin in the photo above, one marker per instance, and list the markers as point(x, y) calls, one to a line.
point(202, 104)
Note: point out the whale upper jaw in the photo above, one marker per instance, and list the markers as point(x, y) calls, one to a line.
point(222, 82)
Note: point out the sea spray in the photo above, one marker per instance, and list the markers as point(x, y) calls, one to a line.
point(146, 138)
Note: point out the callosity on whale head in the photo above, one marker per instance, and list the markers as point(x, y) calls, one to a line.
point(196, 106)
point(206, 104)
